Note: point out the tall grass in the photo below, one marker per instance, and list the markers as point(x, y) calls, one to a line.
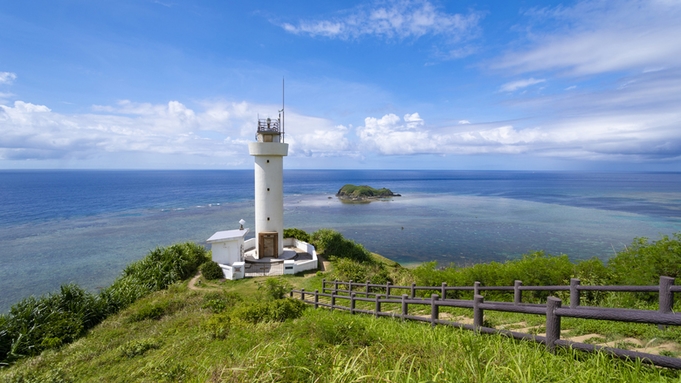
point(36, 324)
point(205, 342)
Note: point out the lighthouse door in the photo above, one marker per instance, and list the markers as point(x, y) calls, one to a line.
point(268, 244)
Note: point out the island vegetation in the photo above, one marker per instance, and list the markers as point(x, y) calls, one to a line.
point(363, 193)
point(149, 325)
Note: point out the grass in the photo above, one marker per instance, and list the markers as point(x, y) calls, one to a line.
point(222, 332)
point(166, 337)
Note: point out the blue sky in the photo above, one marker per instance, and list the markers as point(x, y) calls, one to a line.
point(527, 85)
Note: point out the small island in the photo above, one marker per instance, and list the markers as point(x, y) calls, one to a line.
point(363, 193)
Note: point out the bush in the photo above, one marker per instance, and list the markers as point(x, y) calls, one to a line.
point(334, 246)
point(350, 270)
point(335, 330)
point(135, 348)
point(644, 262)
point(534, 269)
point(36, 324)
point(270, 311)
point(218, 302)
point(298, 234)
point(275, 288)
point(149, 311)
point(218, 326)
point(158, 270)
point(165, 266)
point(211, 270)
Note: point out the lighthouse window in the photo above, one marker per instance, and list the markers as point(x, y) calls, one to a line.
point(268, 161)
point(268, 189)
point(268, 218)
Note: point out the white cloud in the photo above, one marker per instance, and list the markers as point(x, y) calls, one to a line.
point(314, 136)
point(7, 77)
point(391, 19)
point(391, 135)
point(464, 122)
point(601, 36)
point(515, 85)
point(628, 136)
point(218, 132)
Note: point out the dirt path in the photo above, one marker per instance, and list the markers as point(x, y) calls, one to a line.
point(192, 285)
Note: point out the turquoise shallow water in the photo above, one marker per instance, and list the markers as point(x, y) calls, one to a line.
point(84, 227)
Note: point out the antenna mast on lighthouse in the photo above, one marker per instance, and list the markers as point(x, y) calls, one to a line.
point(283, 133)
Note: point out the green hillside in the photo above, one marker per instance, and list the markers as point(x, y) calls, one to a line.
point(244, 331)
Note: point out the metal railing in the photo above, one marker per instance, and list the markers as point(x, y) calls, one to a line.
point(377, 295)
point(268, 125)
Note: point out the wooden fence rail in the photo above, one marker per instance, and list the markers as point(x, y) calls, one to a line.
point(376, 296)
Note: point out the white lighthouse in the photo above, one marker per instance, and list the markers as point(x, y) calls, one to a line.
point(269, 151)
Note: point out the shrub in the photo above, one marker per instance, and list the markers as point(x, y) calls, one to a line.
point(275, 288)
point(217, 326)
point(534, 269)
point(644, 262)
point(334, 246)
point(135, 348)
point(36, 324)
point(211, 270)
point(298, 234)
point(164, 266)
point(218, 302)
point(159, 269)
point(350, 270)
point(341, 331)
point(149, 311)
point(270, 311)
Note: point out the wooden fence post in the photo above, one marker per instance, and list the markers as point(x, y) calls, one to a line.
point(333, 299)
point(290, 294)
point(377, 309)
point(302, 294)
point(350, 285)
point(552, 323)
point(367, 289)
point(352, 303)
point(335, 285)
point(443, 290)
point(316, 299)
point(666, 299)
point(387, 290)
point(574, 293)
point(517, 293)
point(405, 309)
point(478, 314)
point(413, 290)
point(323, 286)
point(434, 310)
point(476, 289)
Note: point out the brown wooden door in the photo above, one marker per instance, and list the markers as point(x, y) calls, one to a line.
point(268, 244)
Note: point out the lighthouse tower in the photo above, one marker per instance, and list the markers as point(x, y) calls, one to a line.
point(269, 151)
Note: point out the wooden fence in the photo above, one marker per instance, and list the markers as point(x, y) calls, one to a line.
point(378, 295)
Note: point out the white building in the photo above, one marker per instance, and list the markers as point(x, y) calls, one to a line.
point(269, 253)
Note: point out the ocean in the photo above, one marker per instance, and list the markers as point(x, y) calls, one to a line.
point(63, 226)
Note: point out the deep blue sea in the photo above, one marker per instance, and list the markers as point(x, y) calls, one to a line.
point(58, 227)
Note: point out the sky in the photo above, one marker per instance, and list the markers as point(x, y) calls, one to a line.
point(462, 85)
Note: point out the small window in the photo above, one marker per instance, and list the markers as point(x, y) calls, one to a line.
point(268, 189)
point(268, 161)
point(268, 218)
